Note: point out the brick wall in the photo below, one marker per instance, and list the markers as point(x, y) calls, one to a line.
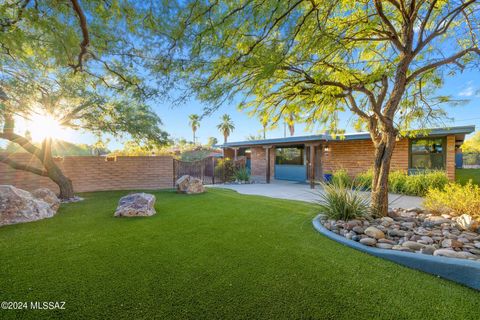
point(358, 156)
point(259, 163)
point(450, 165)
point(95, 174)
point(354, 156)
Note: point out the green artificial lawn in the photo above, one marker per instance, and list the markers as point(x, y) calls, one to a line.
point(463, 175)
point(218, 255)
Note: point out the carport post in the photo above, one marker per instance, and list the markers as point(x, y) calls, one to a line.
point(267, 159)
point(311, 166)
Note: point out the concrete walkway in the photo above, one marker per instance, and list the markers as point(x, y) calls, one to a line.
point(302, 192)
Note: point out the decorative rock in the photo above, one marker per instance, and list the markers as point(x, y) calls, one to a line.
point(19, 206)
point(368, 241)
point(400, 248)
point(451, 243)
point(136, 205)
point(413, 245)
point(396, 233)
point(384, 245)
point(358, 229)
point(477, 245)
point(466, 222)
point(434, 221)
point(189, 184)
point(426, 239)
point(453, 254)
point(387, 241)
point(48, 196)
point(428, 250)
point(374, 233)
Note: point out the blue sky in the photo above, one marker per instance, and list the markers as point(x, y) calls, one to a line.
point(175, 118)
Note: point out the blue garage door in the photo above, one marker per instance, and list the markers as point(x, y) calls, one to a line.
point(290, 163)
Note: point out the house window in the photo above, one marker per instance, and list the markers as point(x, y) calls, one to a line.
point(427, 154)
point(289, 155)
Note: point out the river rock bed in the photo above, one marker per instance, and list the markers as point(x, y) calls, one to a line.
point(414, 230)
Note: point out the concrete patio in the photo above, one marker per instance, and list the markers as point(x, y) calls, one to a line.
point(302, 192)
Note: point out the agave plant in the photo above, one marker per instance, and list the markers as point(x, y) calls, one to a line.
point(341, 202)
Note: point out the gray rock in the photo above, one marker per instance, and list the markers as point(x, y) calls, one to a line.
point(413, 245)
point(368, 241)
point(453, 254)
point(451, 243)
point(401, 248)
point(358, 229)
point(384, 245)
point(428, 250)
point(477, 245)
point(427, 239)
point(465, 222)
point(435, 221)
point(396, 233)
point(136, 205)
point(19, 206)
point(387, 241)
point(475, 251)
point(48, 196)
point(374, 233)
point(190, 185)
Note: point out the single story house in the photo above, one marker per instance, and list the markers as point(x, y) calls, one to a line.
point(307, 158)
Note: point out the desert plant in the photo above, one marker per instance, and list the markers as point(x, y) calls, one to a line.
point(416, 184)
point(454, 199)
point(341, 178)
point(242, 174)
point(225, 170)
point(340, 202)
point(397, 182)
point(363, 181)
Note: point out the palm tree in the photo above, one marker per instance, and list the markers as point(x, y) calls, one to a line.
point(194, 124)
point(226, 126)
point(264, 125)
point(291, 123)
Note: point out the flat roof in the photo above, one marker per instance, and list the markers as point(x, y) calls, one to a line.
point(347, 136)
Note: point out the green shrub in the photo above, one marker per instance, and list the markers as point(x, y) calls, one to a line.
point(339, 202)
point(402, 183)
point(242, 174)
point(454, 199)
point(341, 178)
point(397, 182)
point(225, 170)
point(363, 181)
point(419, 184)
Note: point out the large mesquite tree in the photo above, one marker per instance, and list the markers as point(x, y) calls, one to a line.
point(80, 62)
point(380, 60)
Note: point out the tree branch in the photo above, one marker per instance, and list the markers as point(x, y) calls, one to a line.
point(21, 166)
point(451, 59)
point(86, 39)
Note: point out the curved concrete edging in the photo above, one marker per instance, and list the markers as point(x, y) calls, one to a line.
point(466, 272)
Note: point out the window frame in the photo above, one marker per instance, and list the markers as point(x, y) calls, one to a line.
point(302, 155)
point(410, 153)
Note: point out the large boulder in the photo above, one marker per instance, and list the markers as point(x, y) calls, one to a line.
point(48, 196)
point(19, 206)
point(189, 184)
point(136, 205)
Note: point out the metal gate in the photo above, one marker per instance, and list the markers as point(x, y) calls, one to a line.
point(210, 170)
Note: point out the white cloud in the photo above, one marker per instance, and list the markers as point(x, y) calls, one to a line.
point(469, 90)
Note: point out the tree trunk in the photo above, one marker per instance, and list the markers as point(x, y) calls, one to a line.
point(383, 155)
point(64, 183)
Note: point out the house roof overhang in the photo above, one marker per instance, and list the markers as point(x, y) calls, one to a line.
point(458, 131)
